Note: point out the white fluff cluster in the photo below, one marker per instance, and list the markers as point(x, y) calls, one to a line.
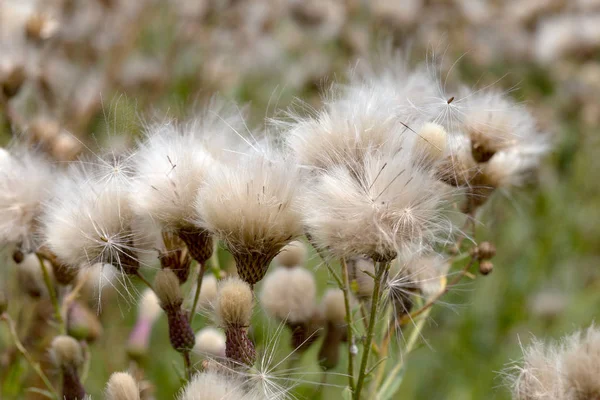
point(214, 386)
point(173, 160)
point(289, 294)
point(88, 217)
point(565, 370)
point(25, 182)
point(252, 206)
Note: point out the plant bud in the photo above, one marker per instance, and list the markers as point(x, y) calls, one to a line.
point(122, 386)
point(18, 256)
point(486, 267)
point(199, 243)
point(486, 251)
point(181, 334)
point(12, 77)
point(166, 287)
point(210, 342)
point(68, 356)
point(63, 273)
point(238, 346)
point(82, 323)
point(234, 303)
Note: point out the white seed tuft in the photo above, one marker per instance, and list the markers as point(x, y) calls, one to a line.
point(289, 294)
point(122, 386)
point(234, 303)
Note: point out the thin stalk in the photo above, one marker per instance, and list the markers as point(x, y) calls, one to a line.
point(349, 323)
point(52, 294)
point(198, 288)
point(187, 362)
point(30, 360)
point(381, 268)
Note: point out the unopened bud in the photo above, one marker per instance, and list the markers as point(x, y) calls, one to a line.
point(68, 356)
point(199, 243)
point(486, 251)
point(486, 267)
point(166, 287)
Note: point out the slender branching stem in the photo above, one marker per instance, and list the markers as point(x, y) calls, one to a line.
point(349, 323)
point(198, 288)
point(381, 269)
point(34, 365)
point(144, 280)
point(52, 293)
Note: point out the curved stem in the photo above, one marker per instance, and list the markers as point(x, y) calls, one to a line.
point(25, 353)
point(144, 280)
point(198, 288)
point(381, 268)
point(52, 294)
point(349, 325)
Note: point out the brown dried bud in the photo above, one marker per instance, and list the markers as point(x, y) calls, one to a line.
point(486, 267)
point(199, 243)
point(486, 251)
point(176, 256)
point(238, 346)
point(18, 256)
point(12, 77)
point(63, 273)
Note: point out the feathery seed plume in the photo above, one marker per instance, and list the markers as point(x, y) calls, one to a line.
point(121, 386)
point(68, 356)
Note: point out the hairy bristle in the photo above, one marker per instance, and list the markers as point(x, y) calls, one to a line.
point(166, 287)
point(234, 303)
point(122, 386)
point(214, 386)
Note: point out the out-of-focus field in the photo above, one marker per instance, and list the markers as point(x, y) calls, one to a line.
point(546, 278)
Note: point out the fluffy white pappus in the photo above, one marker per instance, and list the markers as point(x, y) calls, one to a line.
point(149, 306)
point(386, 207)
point(26, 179)
point(581, 364)
point(425, 274)
point(210, 342)
point(356, 121)
point(122, 386)
point(87, 221)
point(289, 294)
point(170, 166)
point(513, 167)
point(491, 120)
point(333, 306)
point(215, 386)
point(252, 206)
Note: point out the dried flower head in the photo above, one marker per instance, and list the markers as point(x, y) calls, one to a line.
point(66, 352)
point(122, 386)
point(289, 294)
point(25, 182)
point(214, 386)
point(293, 254)
point(166, 287)
point(88, 219)
point(333, 306)
point(581, 365)
point(387, 207)
point(234, 303)
point(253, 208)
point(210, 342)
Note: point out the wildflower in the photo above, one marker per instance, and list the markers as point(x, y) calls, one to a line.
point(148, 312)
point(288, 294)
point(210, 342)
point(68, 356)
point(334, 313)
point(88, 219)
point(293, 254)
point(253, 208)
point(122, 386)
point(214, 386)
point(166, 286)
point(386, 207)
point(233, 310)
point(25, 182)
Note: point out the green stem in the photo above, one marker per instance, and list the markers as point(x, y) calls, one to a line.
point(349, 324)
point(52, 294)
point(197, 294)
point(144, 280)
point(381, 268)
point(25, 353)
point(188, 365)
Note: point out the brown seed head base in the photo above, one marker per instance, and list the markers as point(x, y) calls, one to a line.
point(72, 387)
point(199, 243)
point(238, 346)
point(329, 354)
point(252, 267)
point(303, 335)
point(181, 334)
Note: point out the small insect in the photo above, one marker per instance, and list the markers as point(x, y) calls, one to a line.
point(451, 99)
